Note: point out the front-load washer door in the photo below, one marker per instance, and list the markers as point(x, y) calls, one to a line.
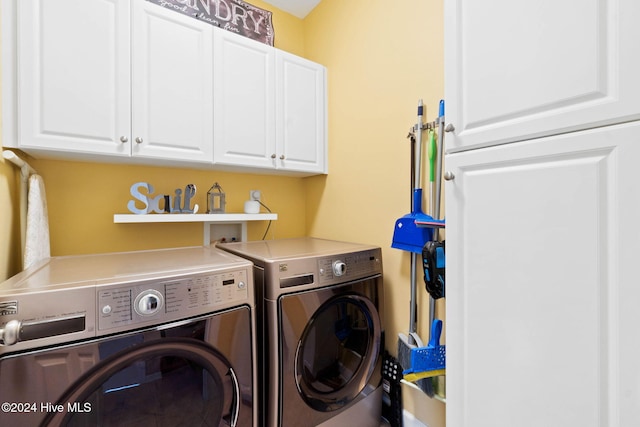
point(331, 343)
point(189, 373)
point(174, 381)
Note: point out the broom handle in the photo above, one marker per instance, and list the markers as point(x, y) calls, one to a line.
point(417, 179)
point(412, 139)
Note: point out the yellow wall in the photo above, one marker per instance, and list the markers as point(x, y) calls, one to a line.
point(381, 58)
point(82, 198)
point(10, 254)
point(9, 227)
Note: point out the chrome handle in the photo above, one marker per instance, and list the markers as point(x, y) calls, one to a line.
point(282, 157)
point(10, 334)
point(15, 330)
point(139, 140)
point(124, 139)
point(449, 128)
point(236, 398)
point(449, 176)
point(273, 156)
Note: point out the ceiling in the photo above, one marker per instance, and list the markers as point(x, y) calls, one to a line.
point(298, 8)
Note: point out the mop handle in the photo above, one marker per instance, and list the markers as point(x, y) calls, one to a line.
point(432, 151)
point(436, 213)
point(439, 161)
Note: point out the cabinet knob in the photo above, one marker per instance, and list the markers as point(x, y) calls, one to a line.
point(449, 176)
point(273, 156)
point(282, 157)
point(124, 139)
point(139, 140)
point(449, 128)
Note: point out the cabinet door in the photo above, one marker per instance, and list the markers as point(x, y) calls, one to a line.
point(518, 70)
point(542, 283)
point(172, 94)
point(301, 131)
point(244, 102)
point(73, 75)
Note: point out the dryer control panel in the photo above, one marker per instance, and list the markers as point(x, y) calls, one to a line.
point(171, 299)
point(349, 266)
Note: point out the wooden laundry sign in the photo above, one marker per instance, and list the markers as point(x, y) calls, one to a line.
point(232, 15)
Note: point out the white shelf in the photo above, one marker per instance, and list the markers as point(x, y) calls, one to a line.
point(210, 218)
point(216, 226)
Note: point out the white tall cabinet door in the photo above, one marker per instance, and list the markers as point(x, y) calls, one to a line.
point(244, 102)
point(542, 282)
point(172, 93)
point(73, 62)
point(301, 125)
point(518, 70)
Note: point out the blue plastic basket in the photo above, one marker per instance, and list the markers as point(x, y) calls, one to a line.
point(431, 358)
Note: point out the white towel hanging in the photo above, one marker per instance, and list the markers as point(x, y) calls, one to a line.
point(37, 245)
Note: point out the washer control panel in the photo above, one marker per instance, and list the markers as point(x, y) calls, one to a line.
point(170, 299)
point(343, 267)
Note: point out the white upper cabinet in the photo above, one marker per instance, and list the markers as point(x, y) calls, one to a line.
point(244, 101)
point(172, 91)
point(519, 70)
point(270, 107)
point(89, 85)
point(131, 80)
point(72, 74)
point(300, 114)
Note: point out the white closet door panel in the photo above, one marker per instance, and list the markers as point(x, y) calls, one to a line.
point(244, 102)
point(173, 85)
point(73, 68)
point(542, 288)
point(518, 70)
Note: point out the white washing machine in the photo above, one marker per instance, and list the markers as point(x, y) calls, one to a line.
point(320, 305)
point(163, 338)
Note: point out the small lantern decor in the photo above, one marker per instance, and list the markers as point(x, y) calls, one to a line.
point(215, 199)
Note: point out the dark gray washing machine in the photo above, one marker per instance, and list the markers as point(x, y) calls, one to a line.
point(319, 310)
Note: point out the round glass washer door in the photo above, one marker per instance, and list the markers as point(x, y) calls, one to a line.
point(337, 352)
point(184, 382)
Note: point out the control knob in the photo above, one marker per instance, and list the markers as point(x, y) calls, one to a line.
point(339, 268)
point(148, 302)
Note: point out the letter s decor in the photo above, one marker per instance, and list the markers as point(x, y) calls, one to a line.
point(135, 192)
